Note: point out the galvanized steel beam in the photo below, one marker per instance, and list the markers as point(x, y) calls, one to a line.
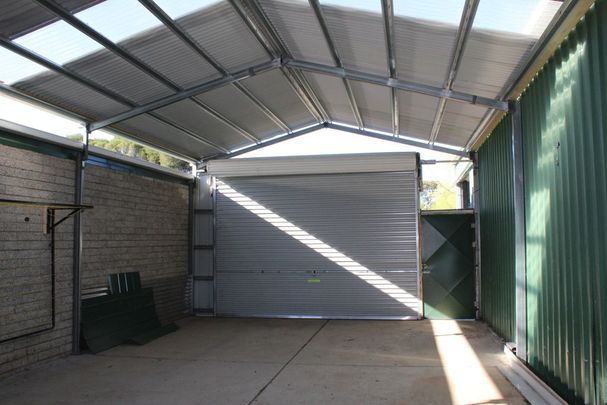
point(34, 57)
point(519, 233)
point(398, 84)
point(255, 18)
point(111, 46)
point(465, 26)
point(182, 95)
point(392, 138)
point(83, 81)
point(337, 59)
point(285, 137)
point(168, 22)
point(388, 15)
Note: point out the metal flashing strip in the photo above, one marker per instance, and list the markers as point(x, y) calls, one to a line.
point(527, 383)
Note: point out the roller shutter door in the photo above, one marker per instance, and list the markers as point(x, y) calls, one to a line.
point(342, 244)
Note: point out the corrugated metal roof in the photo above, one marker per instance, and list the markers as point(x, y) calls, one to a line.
point(359, 37)
point(21, 16)
point(417, 113)
point(423, 50)
point(63, 92)
point(241, 111)
point(194, 118)
point(423, 44)
point(299, 29)
point(489, 61)
point(116, 74)
point(374, 105)
point(332, 94)
point(273, 89)
point(223, 34)
point(459, 121)
point(165, 136)
point(166, 53)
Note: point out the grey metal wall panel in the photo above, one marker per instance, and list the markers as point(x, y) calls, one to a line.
point(349, 249)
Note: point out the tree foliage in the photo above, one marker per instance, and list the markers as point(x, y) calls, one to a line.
point(437, 196)
point(129, 148)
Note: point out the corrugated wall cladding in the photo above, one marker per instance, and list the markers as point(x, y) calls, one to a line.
point(565, 145)
point(138, 224)
point(25, 284)
point(497, 230)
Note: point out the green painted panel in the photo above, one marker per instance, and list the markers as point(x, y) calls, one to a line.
point(448, 256)
point(496, 210)
point(564, 112)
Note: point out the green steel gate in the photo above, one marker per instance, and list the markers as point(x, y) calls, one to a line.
point(448, 264)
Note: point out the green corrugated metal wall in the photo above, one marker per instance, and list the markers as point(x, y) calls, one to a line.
point(564, 114)
point(497, 230)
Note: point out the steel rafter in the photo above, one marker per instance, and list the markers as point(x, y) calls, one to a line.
point(398, 84)
point(83, 81)
point(117, 50)
point(463, 31)
point(187, 93)
point(273, 141)
point(258, 23)
point(168, 22)
point(322, 21)
point(388, 15)
point(397, 139)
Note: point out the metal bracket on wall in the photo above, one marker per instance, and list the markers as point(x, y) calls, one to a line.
point(49, 225)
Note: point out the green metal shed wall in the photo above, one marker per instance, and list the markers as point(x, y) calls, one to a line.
point(564, 113)
point(497, 230)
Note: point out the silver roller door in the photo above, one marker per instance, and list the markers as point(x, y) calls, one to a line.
point(337, 245)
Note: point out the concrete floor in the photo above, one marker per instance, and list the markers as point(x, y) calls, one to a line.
point(279, 361)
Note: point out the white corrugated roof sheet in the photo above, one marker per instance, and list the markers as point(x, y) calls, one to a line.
point(211, 38)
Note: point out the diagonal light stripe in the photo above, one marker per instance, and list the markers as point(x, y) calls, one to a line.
point(320, 247)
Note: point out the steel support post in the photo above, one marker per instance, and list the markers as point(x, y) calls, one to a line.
point(519, 232)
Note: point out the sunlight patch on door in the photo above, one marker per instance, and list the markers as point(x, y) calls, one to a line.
point(387, 287)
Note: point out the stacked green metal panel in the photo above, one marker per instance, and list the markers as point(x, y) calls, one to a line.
point(564, 113)
point(497, 230)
